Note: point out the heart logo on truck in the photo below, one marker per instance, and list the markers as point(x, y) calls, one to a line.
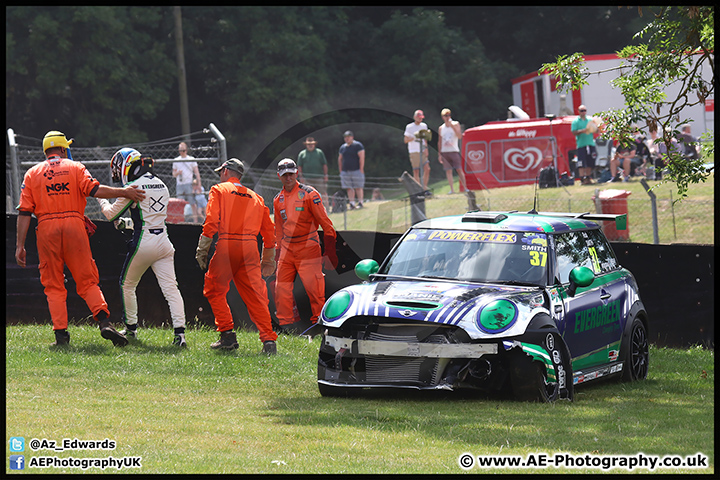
point(522, 160)
point(476, 155)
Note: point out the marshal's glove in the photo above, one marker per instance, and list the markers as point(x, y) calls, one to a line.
point(201, 253)
point(90, 227)
point(330, 260)
point(267, 264)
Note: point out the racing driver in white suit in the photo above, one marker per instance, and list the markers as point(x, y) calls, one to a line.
point(150, 245)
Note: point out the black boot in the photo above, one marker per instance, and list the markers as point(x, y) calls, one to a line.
point(269, 347)
point(62, 338)
point(108, 332)
point(228, 341)
point(294, 328)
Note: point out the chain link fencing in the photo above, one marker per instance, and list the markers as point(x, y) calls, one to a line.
point(207, 146)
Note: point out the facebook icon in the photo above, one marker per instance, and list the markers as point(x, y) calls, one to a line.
point(17, 462)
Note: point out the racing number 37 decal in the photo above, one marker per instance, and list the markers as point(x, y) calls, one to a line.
point(536, 246)
point(538, 259)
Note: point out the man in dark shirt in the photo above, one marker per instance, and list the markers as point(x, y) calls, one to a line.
point(351, 163)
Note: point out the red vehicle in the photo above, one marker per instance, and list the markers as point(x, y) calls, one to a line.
point(510, 153)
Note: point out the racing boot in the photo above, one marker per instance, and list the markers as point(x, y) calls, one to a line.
point(130, 331)
point(228, 341)
point(62, 338)
point(108, 332)
point(179, 340)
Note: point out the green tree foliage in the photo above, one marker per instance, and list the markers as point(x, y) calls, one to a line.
point(673, 48)
point(93, 72)
point(268, 76)
point(528, 36)
point(425, 59)
point(285, 66)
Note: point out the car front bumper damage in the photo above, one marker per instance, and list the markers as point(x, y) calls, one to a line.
point(347, 362)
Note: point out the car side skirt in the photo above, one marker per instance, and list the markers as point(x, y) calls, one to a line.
point(589, 374)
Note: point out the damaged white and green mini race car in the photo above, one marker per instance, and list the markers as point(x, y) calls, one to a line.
point(530, 304)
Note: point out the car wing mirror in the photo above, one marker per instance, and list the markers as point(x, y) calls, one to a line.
point(365, 268)
point(580, 277)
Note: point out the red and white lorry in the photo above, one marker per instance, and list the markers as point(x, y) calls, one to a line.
point(512, 152)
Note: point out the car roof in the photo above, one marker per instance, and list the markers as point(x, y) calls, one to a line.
point(546, 222)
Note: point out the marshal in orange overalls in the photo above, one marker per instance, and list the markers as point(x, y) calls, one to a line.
point(297, 216)
point(238, 215)
point(55, 190)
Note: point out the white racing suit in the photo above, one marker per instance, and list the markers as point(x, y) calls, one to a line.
point(150, 246)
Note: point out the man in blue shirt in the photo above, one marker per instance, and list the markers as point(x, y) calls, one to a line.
point(351, 163)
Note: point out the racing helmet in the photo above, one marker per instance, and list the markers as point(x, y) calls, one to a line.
point(128, 164)
point(56, 139)
point(286, 165)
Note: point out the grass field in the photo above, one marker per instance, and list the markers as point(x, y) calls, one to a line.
point(689, 221)
point(201, 411)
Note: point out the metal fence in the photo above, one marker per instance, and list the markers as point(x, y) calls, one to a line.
point(207, 146)
point(267, 184)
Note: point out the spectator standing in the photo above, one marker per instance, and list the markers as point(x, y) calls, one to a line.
point(351, 164)
point(298, 211)
point(413, 145)
point(55, 191)
point(313, 169)
point(184, 170)
point(237, 214)
point(450, 134)
point(586, 151)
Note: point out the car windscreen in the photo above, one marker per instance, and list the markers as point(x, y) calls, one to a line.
point(500, 257)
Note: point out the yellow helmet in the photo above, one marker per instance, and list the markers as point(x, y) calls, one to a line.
point(55, 139)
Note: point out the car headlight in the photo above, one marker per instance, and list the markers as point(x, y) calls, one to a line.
point(337, 305)
point(497, 316)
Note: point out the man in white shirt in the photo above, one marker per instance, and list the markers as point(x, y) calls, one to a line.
point(414, 148)
point(183, 171)
point(449, 151)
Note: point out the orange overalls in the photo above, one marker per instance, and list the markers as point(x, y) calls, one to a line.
point(55, 191)
point(297, 216)
point(238, 215)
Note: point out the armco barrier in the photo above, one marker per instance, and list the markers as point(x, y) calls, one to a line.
point(676, 282)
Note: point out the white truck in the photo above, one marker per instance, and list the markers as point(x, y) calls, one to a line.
point(537, 94)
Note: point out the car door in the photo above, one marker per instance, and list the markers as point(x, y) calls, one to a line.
point(594, 315)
